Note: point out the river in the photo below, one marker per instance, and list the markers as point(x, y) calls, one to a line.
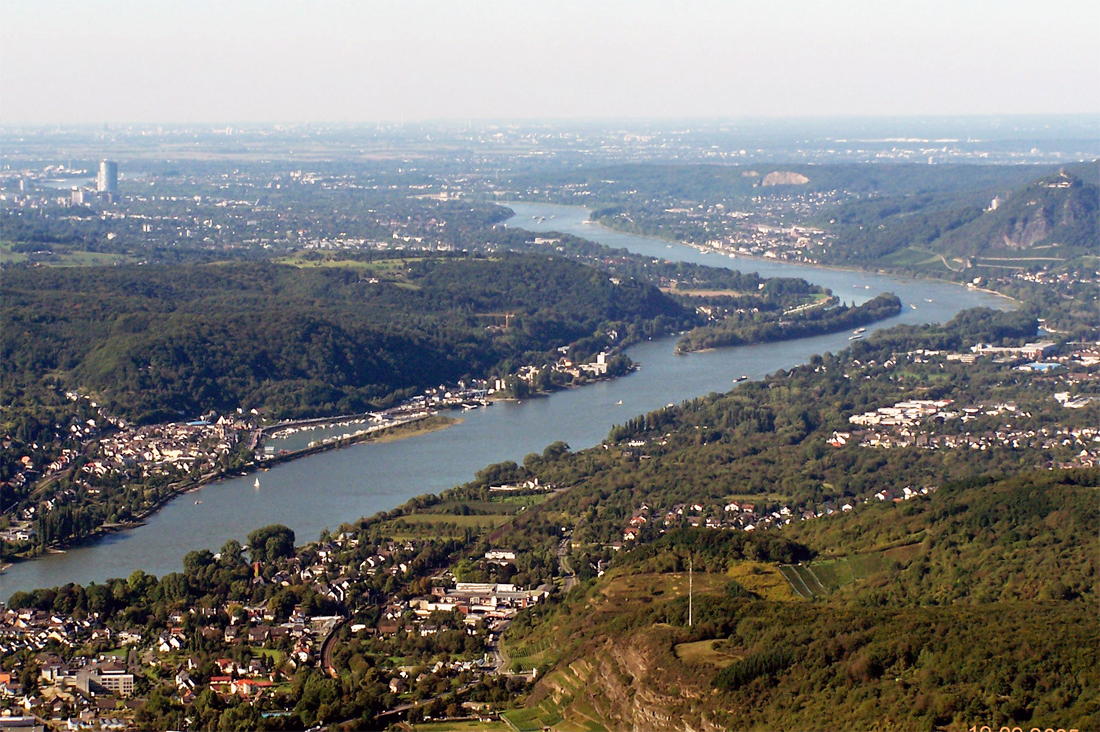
point(338, 486)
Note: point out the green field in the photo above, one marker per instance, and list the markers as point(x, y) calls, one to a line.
point(820, 579)
point(704, 652)
point(461, 726)
point(530, 650)
point(440, 524)
point(913, 257)
point(62, 258)
point(534, 719)
point(504, 504)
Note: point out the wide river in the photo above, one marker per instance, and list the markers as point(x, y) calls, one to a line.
point(342, 485)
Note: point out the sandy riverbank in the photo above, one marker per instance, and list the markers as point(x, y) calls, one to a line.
point(422, 426)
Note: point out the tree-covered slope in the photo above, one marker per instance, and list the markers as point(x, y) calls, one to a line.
point(157, 342)
point(1044, 221)
point(967, 601)
point(1058, 211)
point(990, 620)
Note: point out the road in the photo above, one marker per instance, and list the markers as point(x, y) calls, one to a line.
point(424, 702)
point(564, 565)
point(326, 649)
point(497, 652)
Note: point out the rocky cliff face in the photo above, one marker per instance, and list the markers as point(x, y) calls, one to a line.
point(1058, 210)
point(636, 684)
point(1032, 227)
point(778, 178)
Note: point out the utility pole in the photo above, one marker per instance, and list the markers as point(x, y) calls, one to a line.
point(691, 570)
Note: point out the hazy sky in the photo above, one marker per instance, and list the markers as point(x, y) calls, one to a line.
point(279, 61)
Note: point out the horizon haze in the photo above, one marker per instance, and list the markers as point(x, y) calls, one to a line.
point(121, 61)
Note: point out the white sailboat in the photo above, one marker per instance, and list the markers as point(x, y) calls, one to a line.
point(256, 485)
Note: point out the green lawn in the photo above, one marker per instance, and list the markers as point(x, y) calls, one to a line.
point(704, 652)
point(439, 524)
point(466, 726)
point(913, 257)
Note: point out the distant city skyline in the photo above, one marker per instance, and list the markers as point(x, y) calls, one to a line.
point(122, 61)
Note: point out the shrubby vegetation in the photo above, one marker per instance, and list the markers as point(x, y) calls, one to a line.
point(739, 329)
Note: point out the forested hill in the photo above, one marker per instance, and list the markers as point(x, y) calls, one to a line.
point(1048, 219)
point(925, 575)
point(164, 341)
point(979, 608)
point(1056, 212)
point(670, 183)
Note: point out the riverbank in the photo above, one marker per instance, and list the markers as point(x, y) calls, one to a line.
point(704, 249)
point(420, 425)
point(338, 486)
point(427, 425)
point(410, 428)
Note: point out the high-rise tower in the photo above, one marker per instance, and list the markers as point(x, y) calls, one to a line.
point(107, 180)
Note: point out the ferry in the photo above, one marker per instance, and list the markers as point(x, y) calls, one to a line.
point(857, 331)
point(855, 337)
point(740, 378)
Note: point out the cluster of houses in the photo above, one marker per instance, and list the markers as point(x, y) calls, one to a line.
point(789, 243)
point(27, 470)
point(83, 683)
point(1044, 277)
point(756, 233)
point(913, 423)
point(923, 423)
point(52, 462)
point(82, 693)
point(175, 445)
point(34, 630)
point(741, 516)
point(477, 601)
point(564, 365)
point(91, 687)
point(732, 515)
